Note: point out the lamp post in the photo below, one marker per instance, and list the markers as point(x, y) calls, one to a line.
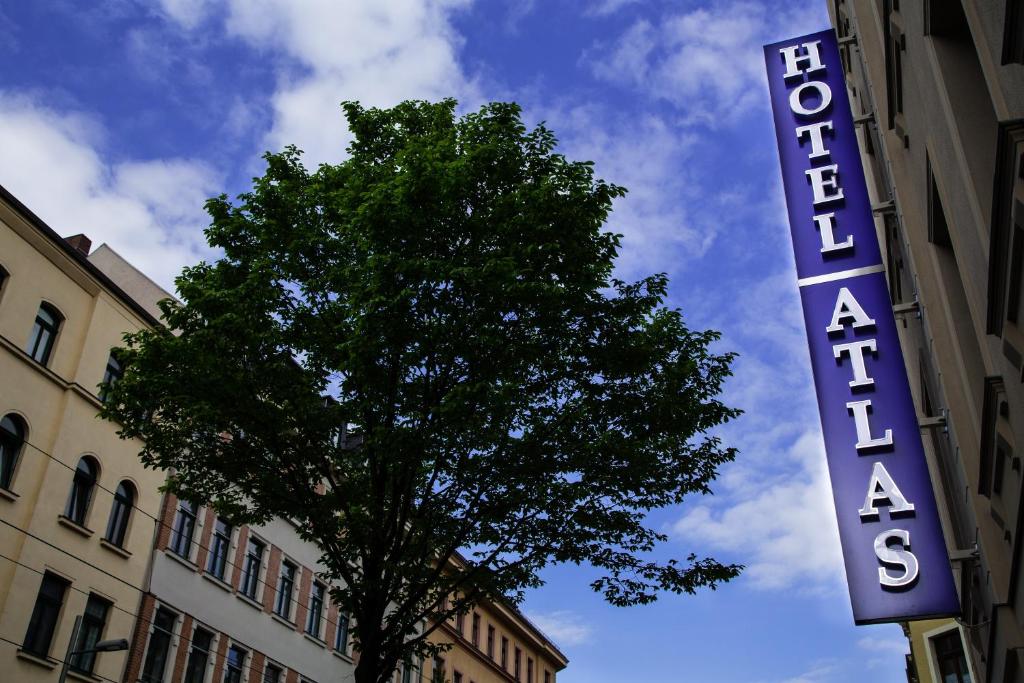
point(102, 646)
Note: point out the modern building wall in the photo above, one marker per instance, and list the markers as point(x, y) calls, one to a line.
point(56, 403)
point(938, 90)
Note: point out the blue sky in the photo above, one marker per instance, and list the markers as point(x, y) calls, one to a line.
point(119, 118)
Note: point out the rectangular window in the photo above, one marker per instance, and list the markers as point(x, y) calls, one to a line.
point(233, 668)
point(184, 528)
point(341, 633)
point(219, 548)
point(89, 633)
point(438, 674)
point(456, 677)
point(475, 633)
point(45, 614)
point(272, 674)
point(504, 653)
point(251, 570)
point(490, 641)
point(949, 655)
point(285, 586)
point(316, 608)
point(407, 672)
point(1013, 298)
point(460, 623)
point(159, 646)
point(529, 670)
point(518, 664)
point(547, 676)
point(111, 376)
point(198, 656)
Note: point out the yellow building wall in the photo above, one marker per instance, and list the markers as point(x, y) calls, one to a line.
point(59, 406)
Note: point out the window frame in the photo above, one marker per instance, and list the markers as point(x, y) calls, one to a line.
point(186, 511)
point(315, 610)
point(79, 502)
point(166, 639)
point(252, 567)
point(280, 601)
point(40, 349)
point(48, 607)
point(341, 633)
point(229, 667)
point(90, 632)
point(12, 444)
point(111, 375)
point(220, 547)
point(194, 652)
point(120, 513)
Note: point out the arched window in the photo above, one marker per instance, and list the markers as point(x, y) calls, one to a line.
point(81, 490)
point(117, 526)
point(112, 374)
point(12, 439)
point(44, 333)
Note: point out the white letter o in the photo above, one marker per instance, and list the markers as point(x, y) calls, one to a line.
point(824, 92)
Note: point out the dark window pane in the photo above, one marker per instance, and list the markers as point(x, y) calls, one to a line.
point(117, 525)
point(316, 607)
point(184, 527)
point(81, 491)
point(198, 656)
point(285, 586)
point(44, 332)
point(233, 668)
point(12, 440)
point(111, 375)
point(159, 646)
point(341, 634)
point(45, 614)
point(219, 548)
point(251, 569)
point(90, 633)
point(272, 674)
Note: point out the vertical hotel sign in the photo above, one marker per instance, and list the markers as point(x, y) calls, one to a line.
point(896, 562)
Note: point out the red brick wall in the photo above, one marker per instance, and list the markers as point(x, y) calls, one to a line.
point(167, 513)
point(219, 658)
point(139, 637)
point(302, 599)
point(332, 624)
point(256, 667)
point(204, 540)
point(291, 677)
point(184, 644)
point(273, 570)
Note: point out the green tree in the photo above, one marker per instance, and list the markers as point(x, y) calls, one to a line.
point(500, 401)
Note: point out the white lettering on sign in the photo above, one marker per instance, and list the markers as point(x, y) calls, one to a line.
point(813, 90)
point(847, 307)
point(882, 489)
point(812, 55)
point(825, 178)
point(859, 410)
point(855, 350)
point(901, 557)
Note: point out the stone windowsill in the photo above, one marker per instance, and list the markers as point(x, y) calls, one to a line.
point(218, 582)
point(8, 494)
point(281, 620)
point(181, 560)
point(69, 523)
point(81, 676)
point(314, 639)
point(252, 602)
point(45, 662)
point(342, 655)
point(116, 549)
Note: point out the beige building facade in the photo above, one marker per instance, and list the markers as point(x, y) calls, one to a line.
point(77, 509)
point(495, 643)
point(937, 89)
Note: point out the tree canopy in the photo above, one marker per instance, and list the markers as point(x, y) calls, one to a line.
point(421, 356)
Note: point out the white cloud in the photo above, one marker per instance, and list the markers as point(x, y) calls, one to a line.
point(896, 645)
point(782, 524)
point(706, 62)
point(563, 626)
point(150, 211)
point(376, 53)
point(606, 7)
point(188, 13)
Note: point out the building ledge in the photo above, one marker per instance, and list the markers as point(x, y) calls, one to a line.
point(188, 564)
point(218, 582)
point(342, 656)
point(45, 662)
point(249, 601)
point(281, 620)
point(69, 523)
point(82, 676)
point(116, 549)
point(314, 639)
point(9, 495)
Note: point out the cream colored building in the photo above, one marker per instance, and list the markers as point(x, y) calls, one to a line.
point(77, 509)
point(494, 643)
point(937, 88)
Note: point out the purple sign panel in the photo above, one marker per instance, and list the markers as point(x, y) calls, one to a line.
point(896, 562)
